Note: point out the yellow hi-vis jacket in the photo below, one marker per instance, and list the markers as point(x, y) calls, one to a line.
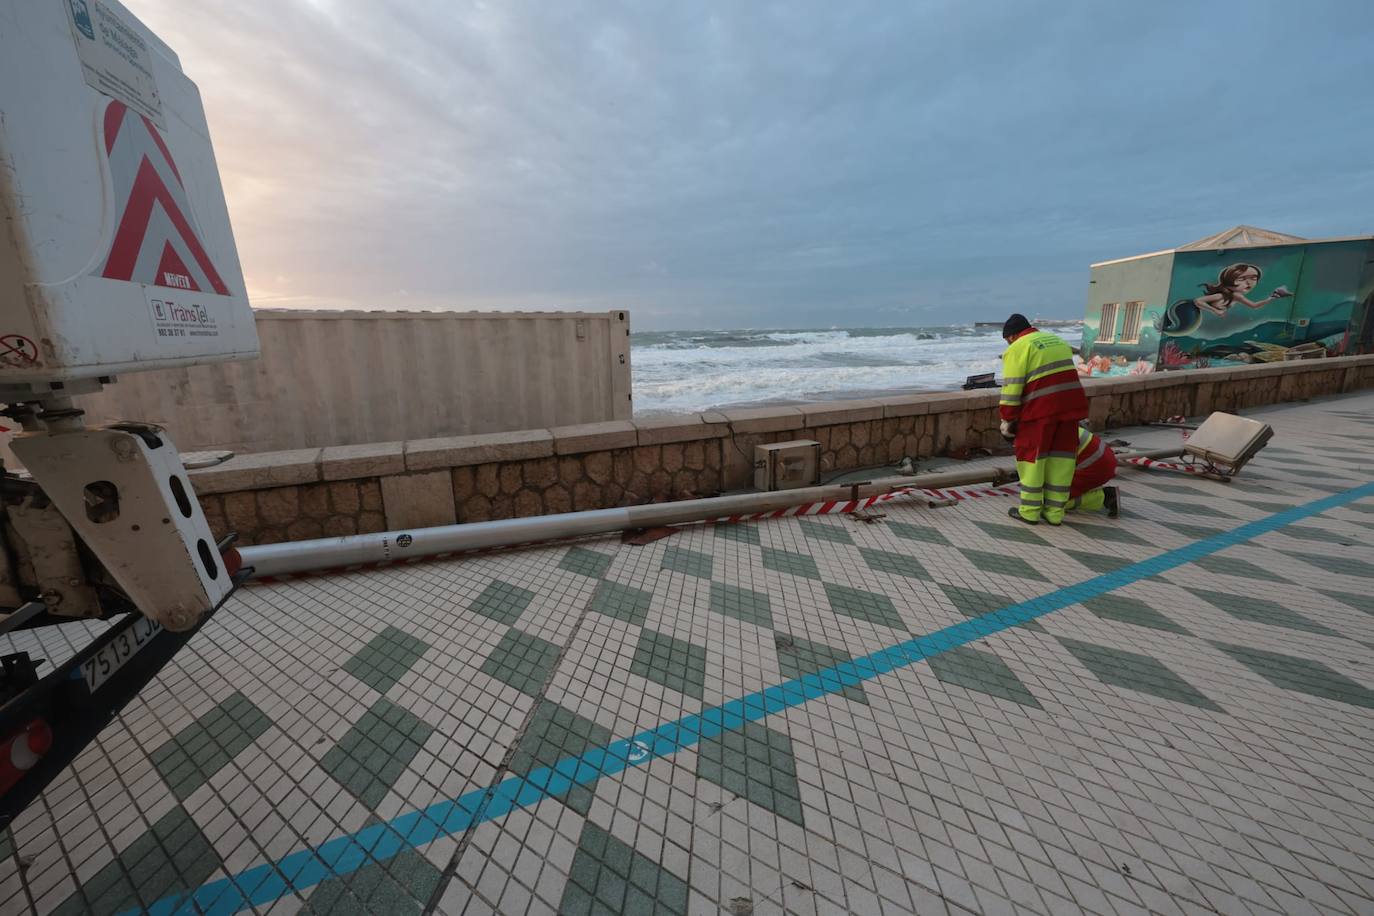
point(1040, 381)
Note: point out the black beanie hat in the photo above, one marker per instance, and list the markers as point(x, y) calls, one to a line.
point(1015, 325)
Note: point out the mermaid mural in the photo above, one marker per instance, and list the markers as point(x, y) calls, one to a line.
point(1185, 315)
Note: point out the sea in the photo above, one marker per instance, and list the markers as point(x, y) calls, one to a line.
point(687, 371)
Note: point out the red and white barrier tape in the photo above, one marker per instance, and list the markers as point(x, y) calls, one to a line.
point(819, 508)
point(1165, 465)
point(1179, 418)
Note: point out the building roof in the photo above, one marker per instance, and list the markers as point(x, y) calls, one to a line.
point(1241, 236)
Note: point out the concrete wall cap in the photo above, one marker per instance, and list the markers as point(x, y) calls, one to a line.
point(484, 448)
point(945, 401)
point(904, 405)
point(594, 437)
point(1163, 380)
point(1106, 387)
point(829, 413)
point(760, 419)
point(1260, 371)
point(982, 398)
point(1211, 373)
point(259, 472)
point(682, 428)
point(373, 459)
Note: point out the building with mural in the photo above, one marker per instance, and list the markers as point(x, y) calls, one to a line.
point(1245, 295)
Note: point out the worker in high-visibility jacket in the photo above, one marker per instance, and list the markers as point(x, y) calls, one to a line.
point(1095, 466)
point(1041, 403)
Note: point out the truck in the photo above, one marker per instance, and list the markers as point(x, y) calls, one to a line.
point(116, 256)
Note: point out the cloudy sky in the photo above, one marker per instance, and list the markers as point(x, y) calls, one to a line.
point(765, 164)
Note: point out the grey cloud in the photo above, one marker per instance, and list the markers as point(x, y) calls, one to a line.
point(724, 164)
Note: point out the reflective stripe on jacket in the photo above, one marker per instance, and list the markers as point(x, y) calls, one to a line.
point(1040, 381)
point(1096, 463)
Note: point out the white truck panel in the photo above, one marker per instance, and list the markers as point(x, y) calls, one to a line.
point(116, 251)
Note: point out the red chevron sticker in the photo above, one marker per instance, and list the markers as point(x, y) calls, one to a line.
point(155, 242)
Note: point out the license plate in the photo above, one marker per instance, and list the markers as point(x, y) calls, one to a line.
point(101, 666)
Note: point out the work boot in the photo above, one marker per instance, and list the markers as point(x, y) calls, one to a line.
point(1015, 513)
point(1111, 500)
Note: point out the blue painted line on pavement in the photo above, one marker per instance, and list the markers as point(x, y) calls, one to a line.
point(263, 884)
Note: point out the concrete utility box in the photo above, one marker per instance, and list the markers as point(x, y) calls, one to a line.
point(787, 465)
point(116, 252)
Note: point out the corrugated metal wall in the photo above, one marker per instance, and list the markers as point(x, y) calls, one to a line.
point(342, 378)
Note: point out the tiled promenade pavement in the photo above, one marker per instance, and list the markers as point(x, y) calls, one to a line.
point(1195, 734)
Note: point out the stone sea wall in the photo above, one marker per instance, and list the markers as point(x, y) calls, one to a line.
point(352, 489)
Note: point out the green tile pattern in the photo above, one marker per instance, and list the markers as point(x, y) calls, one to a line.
point(585, 562)
point(170, 858)
point(672, 662)
point(1136, 672)
point(1124, 609)
point(555, 733)
point(386, 658)
point(1099, 562)
point(872, 607)
point(921, 533)
point(1109, 530)
point(742, 604)
point(984, 672)
point(689, 562)
point(1196, 532)
point(1358, 602)
point(402, 884)
point(1179, 489)
point(821, 531)
point(502, 602)
point(1262, 610)
point(1002, 564)
point(1191, 509)
point(192, 756)
point(374, 753)
point(1223, 565)
point(622, 602)
point(522, 660)
point(1341, 566)
point(609, 878)
point(754, 762)
point(785, 561)
point(744, 532)
point(1304, 533)
point(898, 564)
point(797, 657)
point(1302, 675)
point(1263, 506)
point(973, 603)
point(1020, 534)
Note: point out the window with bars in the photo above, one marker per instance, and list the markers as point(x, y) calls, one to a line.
point(1106, 325)
point(1130, 323)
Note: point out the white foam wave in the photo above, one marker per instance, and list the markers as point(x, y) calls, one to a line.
point(671, 375)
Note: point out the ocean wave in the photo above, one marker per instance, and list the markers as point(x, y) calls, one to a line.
point(683, 371)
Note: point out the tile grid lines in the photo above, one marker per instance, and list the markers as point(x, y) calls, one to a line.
point(145, 817)
point(264, 884)
point(488, 795)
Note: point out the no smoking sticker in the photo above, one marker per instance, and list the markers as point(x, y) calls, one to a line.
point(17, 350)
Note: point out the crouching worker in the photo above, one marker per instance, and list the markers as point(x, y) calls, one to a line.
point(1096, 465)
point(1041, 402)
